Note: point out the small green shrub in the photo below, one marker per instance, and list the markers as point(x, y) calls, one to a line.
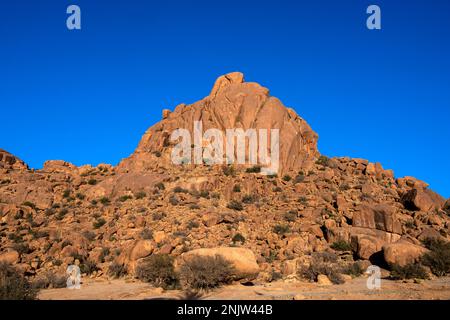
point(194, 206)
point(237, 188)
point(100, 222)
point(160, 186)
point(323, 160)
point(173, 200)
point(249, 199)
point(180, 190)
point(140, 195)
point(238, 238)
point(281, 229)
point(254, 169)
point(80, 196)
point(105, 201)
point(287, 178)
point(235, 205)
point(341, 245)
point(204, 194)
point(125, 198)
point(192, 224)
point(22, 248)
point(92, 182)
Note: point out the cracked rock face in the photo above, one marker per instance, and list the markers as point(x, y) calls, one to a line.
point(232, 103)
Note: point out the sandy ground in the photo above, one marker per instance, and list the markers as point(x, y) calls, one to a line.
point(355, 289)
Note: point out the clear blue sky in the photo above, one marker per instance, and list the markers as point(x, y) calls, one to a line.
point(88, 96)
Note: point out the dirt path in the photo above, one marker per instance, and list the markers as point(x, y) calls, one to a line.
point(353, 290)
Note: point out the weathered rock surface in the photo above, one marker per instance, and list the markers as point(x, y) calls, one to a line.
point(233, 103)
point(243, 260)
point(268, 226)
point(402, 253)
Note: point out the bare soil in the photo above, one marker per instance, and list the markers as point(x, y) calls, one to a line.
point(356, 289)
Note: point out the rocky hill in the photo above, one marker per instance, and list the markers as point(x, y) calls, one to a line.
point(269, 225)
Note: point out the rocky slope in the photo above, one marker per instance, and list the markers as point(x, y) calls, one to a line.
point(99, 215)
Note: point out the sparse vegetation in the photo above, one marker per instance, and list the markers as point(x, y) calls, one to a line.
point(228, 170)
point(287, 178)
point(410, 271)
point(156, 216)
point(89, 235)
point(125, 198)
point(254, 169)
point(323, 160)
point(205, 273)
point(158, 270)
point(273, 255)
point(237, 188)
point(105, 201)
point(117, 270)
point(22, 248)
point(147, 234)
point(13, 285)
point(235, 205)
point(160, 186)
point(92, 182)
point(322, 263)
point(438, 259)
point(204, 194)
point(100, 222)
point(140, 195)
point(173, 200)
point(249, 199)
point(277, 189)
point(180, 190)
point(290, 216)
point(88, 266)
point(281, 229)
point(80, 196)
point(341, 245)
point(354, 270)
point(192, 224)
point(238, 238)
